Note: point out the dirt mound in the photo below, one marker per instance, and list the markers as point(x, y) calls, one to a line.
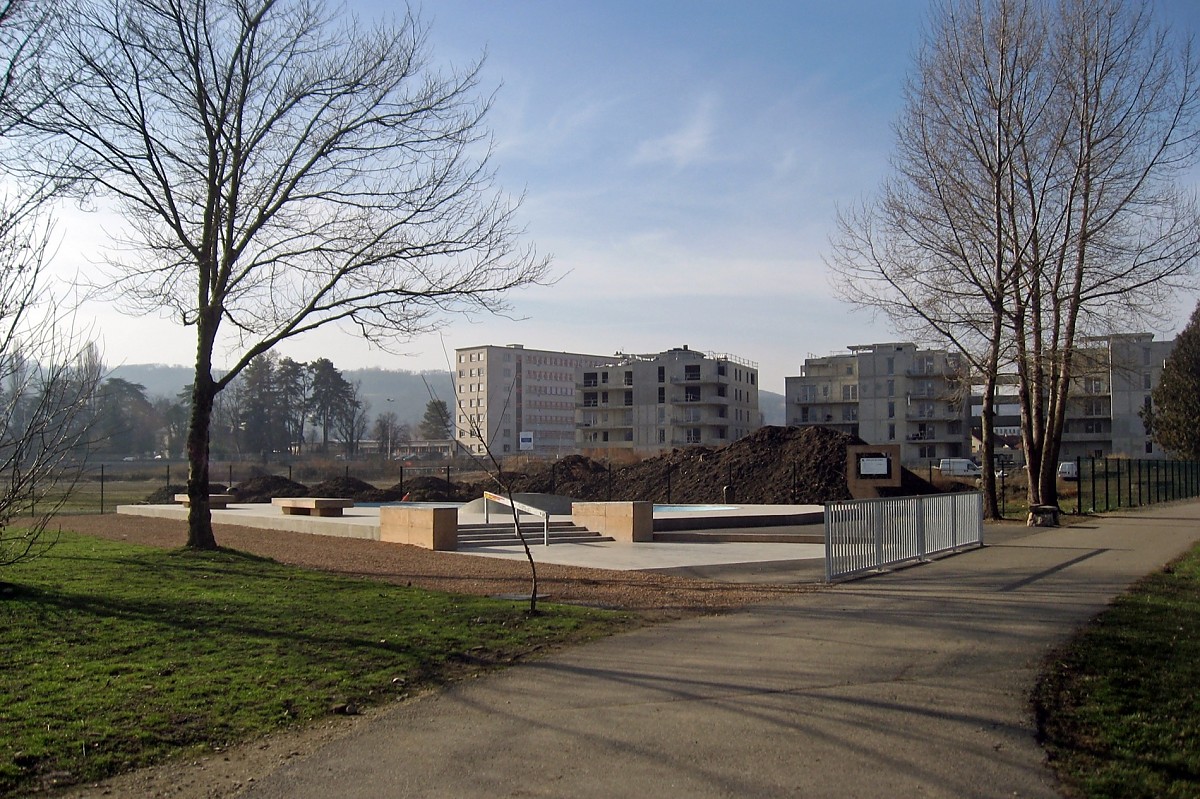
point(772, 466)
point(435, 489)
point(263, 487)
point(355, 489)
point(166, 494)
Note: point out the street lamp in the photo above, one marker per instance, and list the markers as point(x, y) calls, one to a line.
point(391, 427)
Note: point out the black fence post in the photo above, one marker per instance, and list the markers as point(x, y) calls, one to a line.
point(668, 482)
point(400, 485)
point(1107, 503)
point(168, 483)
point(447, 474)
point(102, 489)
point(1079, 485)
point(1092, 472)
point(608, 481)
point(230, 481)
point(1139, 463)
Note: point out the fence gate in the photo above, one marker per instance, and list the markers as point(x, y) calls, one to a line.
point(868, 534)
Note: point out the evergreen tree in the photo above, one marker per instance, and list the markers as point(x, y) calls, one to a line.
point(1174, 418)
point(435, 425)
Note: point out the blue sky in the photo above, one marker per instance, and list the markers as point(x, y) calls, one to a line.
point(682, 162)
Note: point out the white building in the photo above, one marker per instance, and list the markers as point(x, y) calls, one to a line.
point(893, 393)
point(678, 398)
point(514, 399)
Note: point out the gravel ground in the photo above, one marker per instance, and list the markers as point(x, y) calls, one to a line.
point(226, 773)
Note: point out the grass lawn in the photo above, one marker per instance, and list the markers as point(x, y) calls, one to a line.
point(1119, 706)
point(118, 656)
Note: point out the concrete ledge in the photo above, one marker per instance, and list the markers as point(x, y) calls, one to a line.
point(430, 528)
point(630, 522)
point(312, 506)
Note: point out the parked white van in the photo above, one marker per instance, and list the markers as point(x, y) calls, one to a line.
point(959, 467)
point(1068, 470)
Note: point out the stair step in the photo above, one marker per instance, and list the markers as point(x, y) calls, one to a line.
point(479, 535)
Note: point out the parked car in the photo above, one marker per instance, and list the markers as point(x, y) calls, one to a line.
point(1068, 470)
point(959, 467)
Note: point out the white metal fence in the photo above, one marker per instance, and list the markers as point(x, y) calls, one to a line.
point(868, 534)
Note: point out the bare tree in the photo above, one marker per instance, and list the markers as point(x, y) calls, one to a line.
point(48, 370)
point(990, 234)
point(281, 167)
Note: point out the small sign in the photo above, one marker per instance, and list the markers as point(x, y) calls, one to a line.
point(874, 467)
point(526, 441)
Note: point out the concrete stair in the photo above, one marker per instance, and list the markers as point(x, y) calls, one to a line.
point(501, 534)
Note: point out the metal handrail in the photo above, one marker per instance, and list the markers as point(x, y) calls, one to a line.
point(521, 506)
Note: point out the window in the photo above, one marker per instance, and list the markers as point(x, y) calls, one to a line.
point(590, 380)
point(890, 366)
point(891, 432)
point(628, 398)
point(691, 371)
point(849, 369)
point(1146, 382)
point(721, 392)
point(927, 451)
point(691, 394)
point(1093, 407)
point(849, 392)
point(589, 399)
point(629, 378)
point(662, 394)
point(693, 435)
point(603, 397)
point(662, 374)
point(662, 436)
point(804, 414)
point(604, 377)
point(807, 394)
point(721, 367)
point(891, 388)
point(891, 410)
point(849, 413)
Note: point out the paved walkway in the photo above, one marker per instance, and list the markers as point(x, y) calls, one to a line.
point(909, 684)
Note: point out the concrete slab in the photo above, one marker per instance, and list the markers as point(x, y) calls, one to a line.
point(363, 522)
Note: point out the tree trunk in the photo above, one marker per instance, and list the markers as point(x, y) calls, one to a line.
point(200, 532)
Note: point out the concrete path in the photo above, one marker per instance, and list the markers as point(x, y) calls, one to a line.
point(913, 683)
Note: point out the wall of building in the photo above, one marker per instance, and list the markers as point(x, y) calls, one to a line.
point(678, 398)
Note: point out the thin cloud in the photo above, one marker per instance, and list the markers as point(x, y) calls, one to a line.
point(689, 145)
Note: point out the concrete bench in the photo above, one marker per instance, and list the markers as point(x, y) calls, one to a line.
point(214, 500)
point(312, 506)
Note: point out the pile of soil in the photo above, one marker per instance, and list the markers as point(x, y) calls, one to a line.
point(166, 494)
point(435, 489)
point(772, 466)
point(355, 489)
point(261, 489)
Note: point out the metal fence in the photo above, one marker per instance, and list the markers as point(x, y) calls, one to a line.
point(1111, 483)
point(869, 534)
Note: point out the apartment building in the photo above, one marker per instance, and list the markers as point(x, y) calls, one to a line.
point(1114, 378)
point(678, 398)
point(513, 399)
point(893, 393)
